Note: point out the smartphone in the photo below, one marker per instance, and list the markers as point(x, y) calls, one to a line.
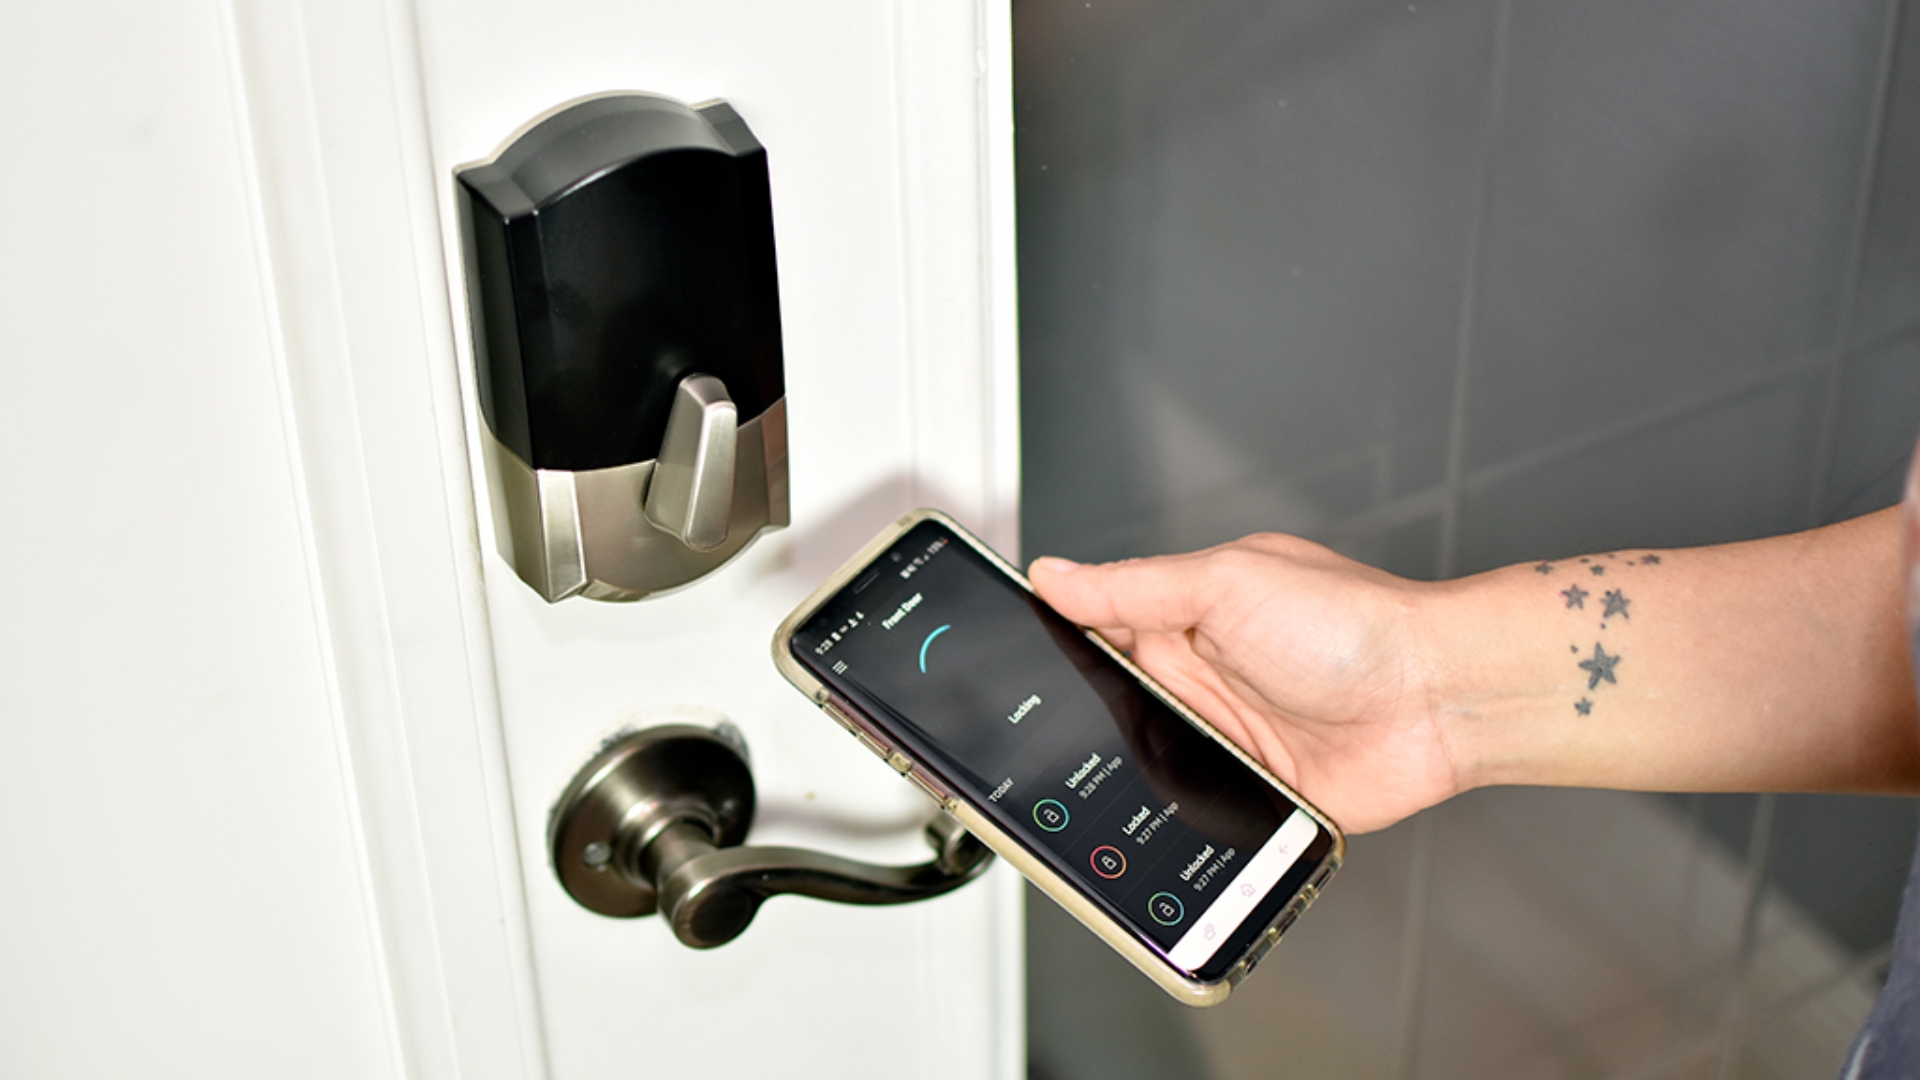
point(1068, 761)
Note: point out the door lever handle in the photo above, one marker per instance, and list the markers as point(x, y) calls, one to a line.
point(710, 894)
point(655, 822)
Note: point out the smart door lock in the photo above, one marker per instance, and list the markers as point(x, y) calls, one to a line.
point(626, 329)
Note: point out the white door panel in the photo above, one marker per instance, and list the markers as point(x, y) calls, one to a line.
point(885, 308)
point(278, 730)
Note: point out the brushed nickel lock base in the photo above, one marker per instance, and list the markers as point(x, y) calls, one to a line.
point(593, 534)
point(654, 823)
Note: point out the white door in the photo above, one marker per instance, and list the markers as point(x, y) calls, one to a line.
point(279, 731)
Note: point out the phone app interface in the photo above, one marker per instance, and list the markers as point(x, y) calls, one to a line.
point(1095, 774)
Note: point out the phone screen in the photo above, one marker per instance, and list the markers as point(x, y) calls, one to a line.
point(1013, 708)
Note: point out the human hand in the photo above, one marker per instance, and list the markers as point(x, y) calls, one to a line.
point(1307, 660)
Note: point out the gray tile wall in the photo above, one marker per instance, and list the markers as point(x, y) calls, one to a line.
point(1452, 285)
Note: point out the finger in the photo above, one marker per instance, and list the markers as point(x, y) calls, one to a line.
point(1161, 595)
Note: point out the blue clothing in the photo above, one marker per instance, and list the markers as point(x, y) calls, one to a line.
point(1889, 1045)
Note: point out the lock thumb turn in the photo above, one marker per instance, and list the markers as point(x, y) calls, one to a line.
point(691, 493)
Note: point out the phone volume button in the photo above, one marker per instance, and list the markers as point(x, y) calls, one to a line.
point(839, 717)
point(945, 800)
point(872, 744)
point(901, 763)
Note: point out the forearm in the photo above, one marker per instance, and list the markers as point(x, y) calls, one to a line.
point(1779, 664)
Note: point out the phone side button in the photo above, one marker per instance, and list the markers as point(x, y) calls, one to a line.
point(839, 717)
point(1287, 917)
point(901, 763)
point(1259, 951)
point(872, 744)
point(945, 800)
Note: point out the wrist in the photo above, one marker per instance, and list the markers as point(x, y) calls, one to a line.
point(1485, 694)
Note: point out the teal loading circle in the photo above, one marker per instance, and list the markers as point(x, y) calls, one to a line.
point(929, 641)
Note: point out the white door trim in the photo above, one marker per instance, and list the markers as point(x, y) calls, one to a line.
point(961, 288)
point(337, 136)
point(962, 301)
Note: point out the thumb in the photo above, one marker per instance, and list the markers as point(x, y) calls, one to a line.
point(1160, 595)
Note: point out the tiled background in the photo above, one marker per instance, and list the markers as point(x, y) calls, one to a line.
point(1449, 285)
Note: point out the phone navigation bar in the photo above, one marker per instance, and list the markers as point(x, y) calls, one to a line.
point(1267, 867)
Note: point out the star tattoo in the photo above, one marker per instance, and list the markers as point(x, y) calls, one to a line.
point(1616, 604)
point(1576, 597)
point(1599, 667)
point(1584, 707)
point(1544, 568)
point(1597, 569)
point(1650, 560)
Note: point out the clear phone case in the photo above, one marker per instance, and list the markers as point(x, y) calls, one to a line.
point(1067, 894)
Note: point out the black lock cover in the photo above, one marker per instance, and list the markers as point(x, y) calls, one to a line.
point(613, 249)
